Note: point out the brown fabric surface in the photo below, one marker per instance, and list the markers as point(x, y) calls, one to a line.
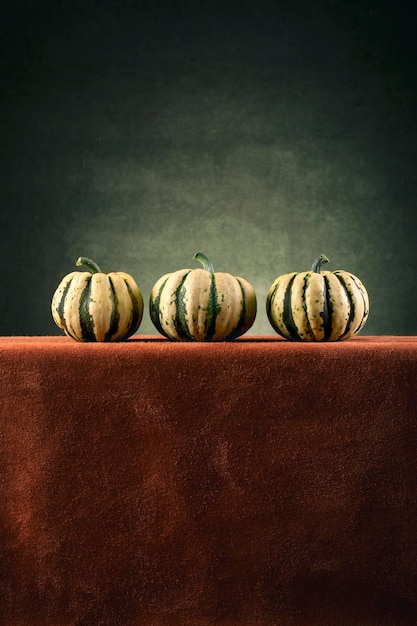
point(255, 483)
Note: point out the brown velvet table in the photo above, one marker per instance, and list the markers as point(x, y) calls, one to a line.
point(254, 483)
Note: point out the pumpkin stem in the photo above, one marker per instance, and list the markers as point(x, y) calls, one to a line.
point(205, 262)
point(89, 264)
point(316, 267)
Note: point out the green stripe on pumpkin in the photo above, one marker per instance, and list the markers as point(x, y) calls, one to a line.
point(115, 316)
point(180, 319)
point(308, 329)
point(287, 316)
point(327, 313)
point(213, 310)
point(86, 319)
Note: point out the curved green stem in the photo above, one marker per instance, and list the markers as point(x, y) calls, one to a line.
point(89, 264)
point(316, 267)
point(205, 262)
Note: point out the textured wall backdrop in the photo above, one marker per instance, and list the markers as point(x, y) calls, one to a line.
point(262, 133)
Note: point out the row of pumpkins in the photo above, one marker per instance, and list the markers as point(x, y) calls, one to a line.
point(201, 305)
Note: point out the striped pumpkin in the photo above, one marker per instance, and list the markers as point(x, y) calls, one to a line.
point(316, 305)
point(200, 305)
point(92, 306)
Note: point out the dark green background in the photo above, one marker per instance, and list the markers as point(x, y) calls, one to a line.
point(262, 133)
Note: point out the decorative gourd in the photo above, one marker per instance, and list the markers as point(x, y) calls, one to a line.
point(316, 305)
point(200, 305)
point(92, 306)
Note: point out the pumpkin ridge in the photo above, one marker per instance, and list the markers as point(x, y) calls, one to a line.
point(360, 288)
point(60, 306)
point(305, 307)
point(136, 314)
point(352, 310)
point(180, 320)
point(86, 319)
point(242, 317)
point(154, 309)
point(287, 316)
point(327, 312)
point(72, 303)
point(213, 310)
point(115, 316)
point(269, 299)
